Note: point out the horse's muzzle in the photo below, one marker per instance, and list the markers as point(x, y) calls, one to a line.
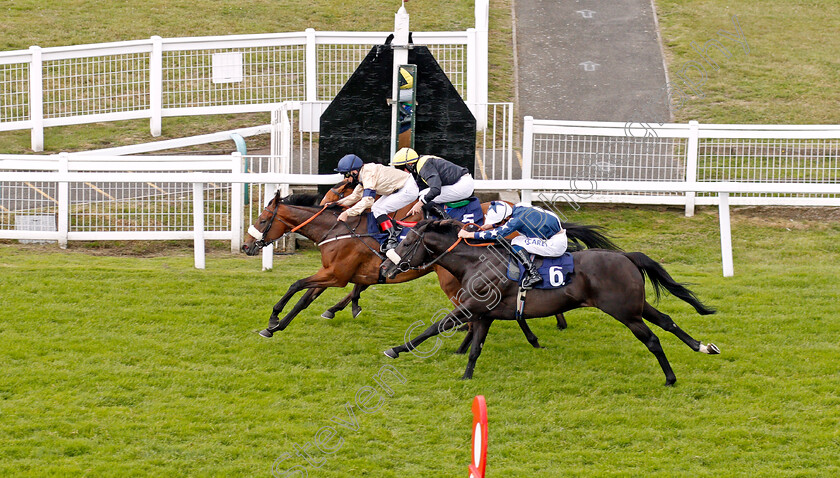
point(388, 269)
point(251, 250)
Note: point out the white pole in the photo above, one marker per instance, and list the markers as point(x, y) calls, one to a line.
point(725, 235)
point(36, 98)
point(237, 198)
point(311, 66)
point(63, 202)
point(156, 86)
point(482, 28)
point(527, 152)
point(198, 224)
point(400, 46)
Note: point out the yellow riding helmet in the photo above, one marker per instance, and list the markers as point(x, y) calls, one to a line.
point(404, 156)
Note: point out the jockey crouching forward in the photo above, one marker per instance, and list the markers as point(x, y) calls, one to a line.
point(443, 180)
point(540, 233)
point(395, 187)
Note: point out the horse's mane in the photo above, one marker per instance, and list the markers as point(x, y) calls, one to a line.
point(302, 199)
point(448, 226)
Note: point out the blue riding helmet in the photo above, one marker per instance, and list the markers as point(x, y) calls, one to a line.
point(348, 163)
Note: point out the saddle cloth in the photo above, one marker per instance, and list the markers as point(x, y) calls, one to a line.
point(555, 271)
point(373, 228)
point(466, 213)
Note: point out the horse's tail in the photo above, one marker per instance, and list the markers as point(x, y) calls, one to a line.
point(660, 279)
point(590, 236)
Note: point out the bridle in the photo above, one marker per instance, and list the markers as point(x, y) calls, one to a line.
point(405, 265)
point(260, 235)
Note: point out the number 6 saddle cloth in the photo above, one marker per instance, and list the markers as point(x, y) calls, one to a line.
point(555, 271)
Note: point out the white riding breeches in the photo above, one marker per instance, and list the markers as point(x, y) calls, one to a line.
point(398, 199)
point(555, 245)
point(460, 190)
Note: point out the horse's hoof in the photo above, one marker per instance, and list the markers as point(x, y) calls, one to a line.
point(356, 312)
point(466, 377)
point(391, 353)
point(266, 333)
point(328, 315)
point(713, 349)
point(670, 383)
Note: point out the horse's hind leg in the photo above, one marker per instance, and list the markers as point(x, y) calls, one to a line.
point(651, 341)
point(654, 316)
point(352, 296)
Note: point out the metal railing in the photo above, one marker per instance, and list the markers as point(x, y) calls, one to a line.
point(162, 77)
point(603, 161)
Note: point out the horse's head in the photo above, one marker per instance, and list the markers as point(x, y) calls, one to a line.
point(271, 225)
point(338, 191)
point(265, 229)
point(426, 242)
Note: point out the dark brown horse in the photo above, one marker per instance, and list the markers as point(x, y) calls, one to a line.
point(348, 254)
point(609, 280)
point(581, 239)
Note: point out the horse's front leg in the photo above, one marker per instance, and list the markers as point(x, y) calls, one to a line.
point(480, 329)
point(532, 339)
point(357, 293)
point(320, 280)
point(561, 322)
point(436, 328)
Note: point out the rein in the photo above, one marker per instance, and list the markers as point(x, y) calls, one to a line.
point(408, 267)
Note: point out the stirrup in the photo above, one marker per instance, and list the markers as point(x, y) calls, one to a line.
point(530, 280)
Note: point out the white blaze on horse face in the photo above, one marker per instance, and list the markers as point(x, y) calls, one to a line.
point(395, 258)
point(255, 233)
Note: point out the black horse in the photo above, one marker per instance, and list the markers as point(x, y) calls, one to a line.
point(609, 280)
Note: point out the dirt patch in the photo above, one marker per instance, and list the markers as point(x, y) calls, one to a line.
point(787, 217)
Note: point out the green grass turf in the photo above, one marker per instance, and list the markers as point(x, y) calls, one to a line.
point(145, 366)
point(790, 75)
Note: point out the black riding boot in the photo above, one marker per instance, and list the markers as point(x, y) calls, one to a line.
point(386, 225)
point(435, 209)
point(532, 276)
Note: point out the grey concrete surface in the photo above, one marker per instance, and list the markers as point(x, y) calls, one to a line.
point(596, 60)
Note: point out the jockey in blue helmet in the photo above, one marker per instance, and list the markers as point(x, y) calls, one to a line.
point(396, 189)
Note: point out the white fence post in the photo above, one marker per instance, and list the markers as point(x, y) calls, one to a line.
point(63, 222)
point(527, 152)
point(237, 199)
point(311, 66)
point(156, 86)
point(198, 224)
point(268, 251)
point(692, 151)
point(725, 235)
point(36, 98)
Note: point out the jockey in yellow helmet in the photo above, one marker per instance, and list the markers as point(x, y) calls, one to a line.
point(442, 180)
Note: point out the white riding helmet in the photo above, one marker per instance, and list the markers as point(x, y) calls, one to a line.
point(497, 212)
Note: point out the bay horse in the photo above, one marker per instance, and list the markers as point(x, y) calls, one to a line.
point(346, 255)
point(611, 281)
